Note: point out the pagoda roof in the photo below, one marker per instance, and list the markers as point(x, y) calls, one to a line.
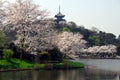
point(59, 15)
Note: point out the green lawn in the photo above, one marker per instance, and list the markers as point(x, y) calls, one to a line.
point(14, 64)
point(74, 64)
point(17, 64)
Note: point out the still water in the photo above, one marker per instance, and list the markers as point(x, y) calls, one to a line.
point(88, 73)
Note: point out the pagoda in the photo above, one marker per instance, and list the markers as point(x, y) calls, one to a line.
point(59, 17)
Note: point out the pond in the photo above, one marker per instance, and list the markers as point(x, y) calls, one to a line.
point(104, 64)
point(88, 73)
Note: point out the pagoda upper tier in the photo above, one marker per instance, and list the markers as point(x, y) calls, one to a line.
point(59, 16)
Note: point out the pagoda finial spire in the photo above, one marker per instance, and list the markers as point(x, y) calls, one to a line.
point(59, 8)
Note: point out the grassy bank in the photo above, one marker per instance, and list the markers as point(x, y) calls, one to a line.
point(17, 64)
point(14, 64)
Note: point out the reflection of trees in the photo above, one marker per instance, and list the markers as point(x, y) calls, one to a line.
point(85, 74)
point(71, 75)
point(45, 75)
point(35, 75)
point(19, 75)
point(58, 75)
point(100, 75)
point(117, 77)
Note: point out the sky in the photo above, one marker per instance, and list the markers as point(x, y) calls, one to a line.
point(102, 14)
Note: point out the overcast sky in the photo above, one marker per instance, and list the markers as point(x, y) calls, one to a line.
point(103, 14)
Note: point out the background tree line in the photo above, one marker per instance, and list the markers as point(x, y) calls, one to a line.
point(94, 36)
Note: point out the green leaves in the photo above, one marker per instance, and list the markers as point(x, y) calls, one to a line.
point(94, 40)
point(7, 54)
point(65, 29)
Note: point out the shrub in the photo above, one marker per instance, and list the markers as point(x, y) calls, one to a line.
point(64, 29)
point(7, 54)
point(44, 56)
point(55, 54)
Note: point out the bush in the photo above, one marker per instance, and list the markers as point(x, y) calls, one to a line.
point(7, 54)
point(65, 29)
point(55, 54)
point(45, 56)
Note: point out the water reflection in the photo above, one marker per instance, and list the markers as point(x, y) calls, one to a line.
point(93, 74)
point(84, 74)
point(105, 64)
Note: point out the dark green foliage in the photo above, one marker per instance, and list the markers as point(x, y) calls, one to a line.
point(85, 32)
point(94, 40)
point(107, 38)
point(67, 64)
point(65, 29)
point(74, 64)
point(7, 54)
point(118, 50)
point(55, 54)
point(44, 56)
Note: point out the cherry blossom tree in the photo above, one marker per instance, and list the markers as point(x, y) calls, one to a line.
point(31, 26)
point(37, 37)
point(2, 12)
point(2, 16)
point(103, 49)
point(23, 11)
point(69, 43)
